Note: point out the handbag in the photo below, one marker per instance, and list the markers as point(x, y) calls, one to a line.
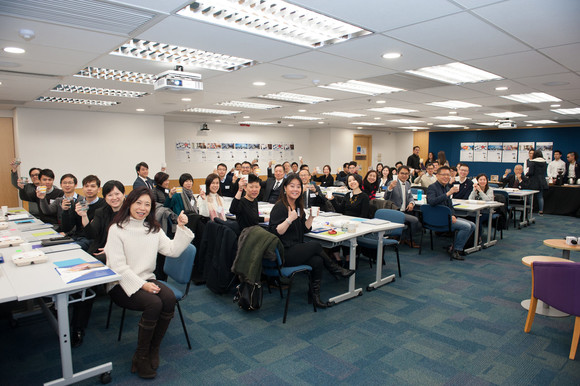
point(249, 296)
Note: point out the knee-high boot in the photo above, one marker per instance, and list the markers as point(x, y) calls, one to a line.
point(315, 291)
point(141, 362)
point(162, 324)
point(336, 270)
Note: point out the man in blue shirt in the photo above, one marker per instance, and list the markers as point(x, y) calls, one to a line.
point(439, 193)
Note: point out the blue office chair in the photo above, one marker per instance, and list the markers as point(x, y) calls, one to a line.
point(179, 269)
point(436, 218)
point(275, 270)
point(370, 241)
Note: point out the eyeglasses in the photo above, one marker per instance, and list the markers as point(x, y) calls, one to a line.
point(444, 175)
point(405, 174)
point(34, 174)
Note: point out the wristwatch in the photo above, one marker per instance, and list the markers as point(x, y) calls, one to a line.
point(289, 222)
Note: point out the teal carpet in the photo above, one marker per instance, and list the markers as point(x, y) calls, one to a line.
point(443, 323)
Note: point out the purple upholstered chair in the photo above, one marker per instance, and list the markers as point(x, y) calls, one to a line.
point(557, 284)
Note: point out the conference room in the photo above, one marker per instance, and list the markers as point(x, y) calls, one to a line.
point(96, 87)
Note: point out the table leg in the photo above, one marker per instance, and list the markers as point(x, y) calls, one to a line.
point(379, 280)
point(565, 254)
point(524, 221)
point(352, 292)
point(531, 218)
point(490, 242)
point(544, 309)
point(475, 247)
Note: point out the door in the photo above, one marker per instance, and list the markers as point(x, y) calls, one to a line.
point(362, 152)
point(8, 193)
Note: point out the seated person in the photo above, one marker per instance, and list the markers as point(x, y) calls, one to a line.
point(211, 204)
point(379, 168)
point(426, 179)
point(46, 178)
point(74, 222)
point(245, 170)
point(399, 192)
point(386, 177)
point(287, 168)
point(453, 172)
point(184, 201)
point(142, 179)
point(312, 194)
point(326, 179)
point(289, 223)
point(481, 189)
point(517, 180)
point(572, 173)
point(26, 190)
point(304, 166)
point(556, 167)
point(440, 193)
point(68, 183)
point(352, 167)
point(294, 167)
point(246, 208)
point(161, 192)
point(256, 169)
point(371, 184)
point(226, 184)
point(270, 189)
point(465, 184)
point(342, 174)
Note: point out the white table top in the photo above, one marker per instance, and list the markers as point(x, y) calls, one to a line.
point(336, 221)
point(7, 292)
point(517, 192)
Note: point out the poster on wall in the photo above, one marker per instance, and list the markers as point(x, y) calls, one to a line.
point(510, 152)
point(546, 148)
point(466, 153)
point(183, 151)
point(494, 150)
point(523, 150)
point(480, 152)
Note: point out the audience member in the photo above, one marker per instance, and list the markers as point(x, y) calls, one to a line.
point(288, 221)
point(185, 200)
point(161, 192)
point(342, 174)
point(294, 167)
point(440, 193)
point(481, 189)
point(426, 179)
point(256, 169)
point(132, 246)
point(212, 204)
point(572, 173)
point(304, 167)
point(453, 170)
point(287, 168)
point(68, 183)
point(371, 184)
point(312, 194)
point(352, 167)
point(270, 189)
point(537, 176)
point(517, 180)
point(246, 208)
point(46, 178)
point(226, 183)
point(527, 162)
point(326, 179)
point(399, 192)
point(142, 179)
point(465, 184)
point(379, 168)
point(414, 161)
point(26, 189)
point(557, 166)
point(386, 177)
point(441, 159)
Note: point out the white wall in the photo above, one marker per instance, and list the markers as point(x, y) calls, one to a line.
point(108, 145)
point(6, 114)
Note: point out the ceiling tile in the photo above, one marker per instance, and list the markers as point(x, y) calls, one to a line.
point(530, 63)
point(567, 55)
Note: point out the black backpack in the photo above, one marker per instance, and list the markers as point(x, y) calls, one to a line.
point(249, 296)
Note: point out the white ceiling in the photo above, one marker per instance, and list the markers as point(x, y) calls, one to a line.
point(533, 44)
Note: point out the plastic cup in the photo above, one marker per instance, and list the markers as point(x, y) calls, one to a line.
point(351, 227)
point(24, 180)
point(315, 211)
point(4, 209)
point(42, 189)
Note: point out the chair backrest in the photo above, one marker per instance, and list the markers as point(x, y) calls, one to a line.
point(558, 284)
point(437, 218)
point(505, 195)
point(179, 268)
point(392, 216)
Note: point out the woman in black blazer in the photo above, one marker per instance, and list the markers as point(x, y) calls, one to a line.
point(537, 175)
point(326, 179)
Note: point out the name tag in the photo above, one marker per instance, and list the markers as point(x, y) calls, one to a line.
point(312, 195)
point(226, 186)
point(51, 201)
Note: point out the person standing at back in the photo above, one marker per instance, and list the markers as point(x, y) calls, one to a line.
point(142, 179)
point(414, 161)
point(537, 176)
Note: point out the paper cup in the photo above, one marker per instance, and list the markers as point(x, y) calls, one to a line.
point(203, 188)
point(315, 211)
point(352, 227)
point(179, 190)
point(42, 189)
point(329, 195)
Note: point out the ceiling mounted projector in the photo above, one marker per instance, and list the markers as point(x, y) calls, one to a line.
point(178, 81)
point(505, 124)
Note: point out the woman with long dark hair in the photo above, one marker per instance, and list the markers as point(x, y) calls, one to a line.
point(134, 240)
point(326, 179)
point(371, 184)
point(288, 221)
point(537, 175)
point(212, 204)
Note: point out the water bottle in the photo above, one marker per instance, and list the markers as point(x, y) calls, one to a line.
point(420, 195)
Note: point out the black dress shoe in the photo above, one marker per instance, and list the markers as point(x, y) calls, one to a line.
point(77, 338)
point(456, 256)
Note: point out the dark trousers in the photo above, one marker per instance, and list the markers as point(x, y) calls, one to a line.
point(151, 304)
point(309, 253)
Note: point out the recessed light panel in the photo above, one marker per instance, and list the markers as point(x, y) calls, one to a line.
point(161, 52)
point(453, 104)
point(120, 75)
point(365, 88)
point(367, 124)
point(452, 126)
point(98, 91)
point(275, 19)
point(297, 98)
point(249, 105)
point(534, 97)
point(405, 121)
point(343, 114)
point(568, 111)
point(455, 73)
point(301, 118)
point(392, 110)
point(542, 122)
point(76, 101)
point(451, 118)
point(210, 111)
point(506, 115)
point(257, 123)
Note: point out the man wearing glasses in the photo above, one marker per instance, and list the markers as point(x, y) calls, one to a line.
point(26, 189)
point(399, 192)
point(440, 193)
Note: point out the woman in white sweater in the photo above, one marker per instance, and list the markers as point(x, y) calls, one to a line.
point(134, 240)
point(212, 204)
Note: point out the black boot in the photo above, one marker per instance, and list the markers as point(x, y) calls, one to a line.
point(315, 291)
point(162, 324)
point(336, 270)
point(141, 362)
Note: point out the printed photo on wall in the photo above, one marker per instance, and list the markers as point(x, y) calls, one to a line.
point(523, 150)
point(494, 150)
point(547, 148)
point(480, 152)
point(510, 152)
point(466, 153)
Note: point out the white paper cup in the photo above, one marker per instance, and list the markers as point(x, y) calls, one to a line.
point(4, 209)
point(203, 188)
point(163, 165)
point(315, 211)
point(352, 227)
point(42, 189)
point(329, 195)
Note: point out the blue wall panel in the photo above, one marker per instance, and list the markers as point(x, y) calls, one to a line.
point(566, 139)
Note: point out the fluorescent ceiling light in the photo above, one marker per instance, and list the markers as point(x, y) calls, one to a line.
point(14, 50)
point(367, 123)
point(455, 73)
point(451, 118)
point(534, 97)
point(259, 83)
point(391, 55)
point(301, 118)
point(413, 128)
point(501, 88)
point(555, 105)
point(486, 123)
point(256, 123)
point(542, 122)
point(392, 110)
point(248, 105)
point(297, 98)
point(161, 52)
point(506, 115)
point(274, 19)
point(362, 87)
point(453, 104)
point(210, 111)
point(76, 101)
point(452, 126)
point(140, 110)
point(568, 111)
point(344, 115)
point(405, 121)
point(98, 91)
point(120, 75)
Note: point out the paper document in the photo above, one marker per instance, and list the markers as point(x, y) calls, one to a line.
point(75, 270)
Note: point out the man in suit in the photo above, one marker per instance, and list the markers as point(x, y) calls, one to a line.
point(272, 186)
point(516, 180)
point(399, 192)
point(142, 179)
point(572, 168)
